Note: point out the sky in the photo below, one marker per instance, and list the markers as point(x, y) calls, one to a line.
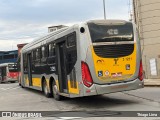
point(22, 21)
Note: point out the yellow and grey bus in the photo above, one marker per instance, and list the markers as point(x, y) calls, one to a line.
point(91, 58)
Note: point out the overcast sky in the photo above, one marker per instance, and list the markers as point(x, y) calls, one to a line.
point(21, 21)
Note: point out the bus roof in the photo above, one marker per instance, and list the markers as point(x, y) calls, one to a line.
point(44, 37)
point(109, 22)
point(52, 34)
point(5, 64)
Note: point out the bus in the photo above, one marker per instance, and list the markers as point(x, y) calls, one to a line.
point(92, 58)
point(8, 72)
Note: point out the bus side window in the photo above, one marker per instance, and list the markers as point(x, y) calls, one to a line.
point(38, 57)
point(71, 41)
point(33, 59)
point(44, 55)
point(43, 49)
point(33, 55)
point(38, 53)
point(54, 53)
point(50, 47)
point(51, 59)
point(47, 50)
point(51, 50)
point(25, 62)
point(71, 52)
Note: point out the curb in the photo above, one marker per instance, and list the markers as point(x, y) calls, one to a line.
point(152, 82)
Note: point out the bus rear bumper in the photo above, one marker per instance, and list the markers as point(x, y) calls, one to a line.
point(111, 88)
point(9, 80)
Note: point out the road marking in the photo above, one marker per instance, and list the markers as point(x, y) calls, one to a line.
point(140, 97)
point(56, 118)
point(64, 118)
point(11, 88)
point(68, 118)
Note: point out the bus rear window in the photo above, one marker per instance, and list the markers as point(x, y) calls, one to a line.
point(111, 33)
point(12, 68)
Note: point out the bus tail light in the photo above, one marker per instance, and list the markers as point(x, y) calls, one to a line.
point(140, 76)
point(86, 75)
point(9, 75)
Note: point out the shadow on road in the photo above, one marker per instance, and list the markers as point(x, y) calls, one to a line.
point(91, 102)
point(34, 91)
point(6, 83)
point(98, 102)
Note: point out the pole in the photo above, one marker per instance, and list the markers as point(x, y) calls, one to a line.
point(104, 9)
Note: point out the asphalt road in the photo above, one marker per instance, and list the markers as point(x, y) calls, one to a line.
point(15, 98)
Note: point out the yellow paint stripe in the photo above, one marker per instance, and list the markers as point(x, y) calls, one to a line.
point(36, 82)
point(73, 90)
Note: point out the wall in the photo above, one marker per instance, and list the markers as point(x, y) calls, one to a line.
point(147, 18)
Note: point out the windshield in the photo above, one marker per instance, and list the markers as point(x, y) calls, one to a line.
point(12, 67)
point(111, 33)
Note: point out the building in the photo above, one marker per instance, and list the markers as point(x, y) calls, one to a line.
point(8, 56)
point(147, 18)
point(54, 28)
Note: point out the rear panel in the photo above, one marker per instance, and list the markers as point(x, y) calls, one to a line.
point(12, 71)
point(114, 69)
point(114, 51)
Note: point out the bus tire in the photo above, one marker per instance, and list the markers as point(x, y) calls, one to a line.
point(45, 89)
point(22, 86)
point(55, 92)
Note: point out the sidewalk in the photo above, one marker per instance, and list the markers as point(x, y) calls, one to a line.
point(152, 82)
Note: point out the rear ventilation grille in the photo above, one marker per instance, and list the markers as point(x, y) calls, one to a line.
point(114, 51)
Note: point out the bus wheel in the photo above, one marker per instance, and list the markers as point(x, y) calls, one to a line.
point(55, 91)
point(45, 89)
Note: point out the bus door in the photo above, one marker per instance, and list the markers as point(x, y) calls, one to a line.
point(62, 72)
point(4, 73)
point(0, 75)
point(29, 60)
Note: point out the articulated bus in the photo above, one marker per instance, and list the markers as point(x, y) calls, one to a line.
point(91, 58)
point(8, 72)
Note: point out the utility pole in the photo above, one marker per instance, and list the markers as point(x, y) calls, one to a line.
point(130, 11)
point(104, 7)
